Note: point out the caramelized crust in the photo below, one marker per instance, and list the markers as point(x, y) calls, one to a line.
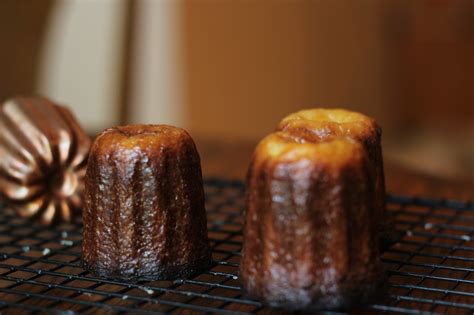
point(316, 125)
point(321, 124)
point(144, 215)
point(310, 229)
point(43, 159)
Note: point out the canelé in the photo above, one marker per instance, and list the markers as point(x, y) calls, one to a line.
point(144, 215)
point(311, 220)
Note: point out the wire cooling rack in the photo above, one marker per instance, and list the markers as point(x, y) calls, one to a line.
point(430, 268)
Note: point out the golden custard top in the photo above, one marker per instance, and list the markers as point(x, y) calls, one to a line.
point(141, 137)
point(284, 147)
point(331, 137)
point(320, 124)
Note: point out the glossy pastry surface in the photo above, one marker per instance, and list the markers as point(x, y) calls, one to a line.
point(320, 124)
point(144, 216)
point(43, 159)
point(311, 219)
point(316, 125)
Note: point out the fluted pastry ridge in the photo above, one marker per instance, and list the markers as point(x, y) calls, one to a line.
point(144, 216)
point(310, 222)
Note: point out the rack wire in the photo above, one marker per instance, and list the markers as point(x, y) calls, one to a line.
point(430, 267)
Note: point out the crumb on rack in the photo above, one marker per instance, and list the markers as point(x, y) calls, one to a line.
point(147, 290)
point(67, 242)
point(428, 226)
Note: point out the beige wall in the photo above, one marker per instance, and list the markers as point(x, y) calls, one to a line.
point(156, 87)
point(82, 61)
point(80, 64)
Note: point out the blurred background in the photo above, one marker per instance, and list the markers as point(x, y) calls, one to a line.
point(229, 70)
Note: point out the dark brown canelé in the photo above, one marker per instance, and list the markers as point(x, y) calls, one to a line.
point(316, 125)
point(144, 215)
point(310, 233)
point(43, 157)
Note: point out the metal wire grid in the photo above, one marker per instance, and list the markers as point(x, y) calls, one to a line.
point(430, 268)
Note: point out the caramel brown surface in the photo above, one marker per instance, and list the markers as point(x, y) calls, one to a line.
point(144, 215)
point(310, 234)
point(318, 125)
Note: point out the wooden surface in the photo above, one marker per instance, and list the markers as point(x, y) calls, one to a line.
point(230, 160)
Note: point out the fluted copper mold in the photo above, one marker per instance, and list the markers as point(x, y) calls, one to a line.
point(43, 156)
point(310, 239)
point(144, 215)
point(317, 125)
